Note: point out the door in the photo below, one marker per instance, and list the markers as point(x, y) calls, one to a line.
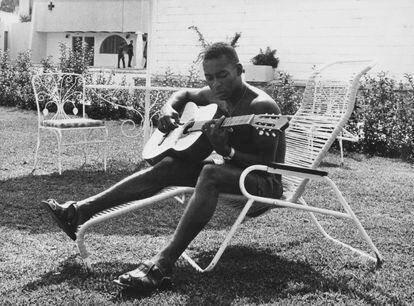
point(6, 40)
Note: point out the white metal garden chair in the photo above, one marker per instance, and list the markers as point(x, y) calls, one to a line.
point(328, 102)
point(56, 95)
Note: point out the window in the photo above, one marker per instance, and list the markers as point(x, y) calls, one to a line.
point(111, 43)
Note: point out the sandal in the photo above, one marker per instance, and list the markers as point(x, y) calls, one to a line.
point(59, 214)
point(146, 277)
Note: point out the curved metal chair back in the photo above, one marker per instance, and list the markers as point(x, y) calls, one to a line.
point(328, 102)
point(57, 94)
point(60, 101)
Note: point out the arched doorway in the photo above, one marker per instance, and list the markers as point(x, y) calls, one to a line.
point(111, 44)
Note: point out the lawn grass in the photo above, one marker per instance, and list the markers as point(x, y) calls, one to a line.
point(275, 259)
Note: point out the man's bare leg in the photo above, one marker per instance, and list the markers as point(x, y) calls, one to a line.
point(137, 186)
point(213, 179)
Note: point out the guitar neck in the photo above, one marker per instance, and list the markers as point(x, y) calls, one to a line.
point(227, 123)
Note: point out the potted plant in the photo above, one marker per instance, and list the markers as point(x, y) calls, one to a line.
point(263, 67)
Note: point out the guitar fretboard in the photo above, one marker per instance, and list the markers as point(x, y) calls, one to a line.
point(228, 122)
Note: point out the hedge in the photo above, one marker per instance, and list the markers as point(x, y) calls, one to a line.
point(383, 117)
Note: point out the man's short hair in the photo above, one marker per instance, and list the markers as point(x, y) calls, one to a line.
point(220, 49)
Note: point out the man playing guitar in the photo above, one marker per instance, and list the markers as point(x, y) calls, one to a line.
point(240, 147)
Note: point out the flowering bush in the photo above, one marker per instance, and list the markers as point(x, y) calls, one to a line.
point(384, 117)
point(285, 93)
point(110, 103)
point(6, 85)
point(75, 59)
point(15, 80)
point(48, 65)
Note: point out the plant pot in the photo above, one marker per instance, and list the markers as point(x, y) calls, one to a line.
point(258, 73)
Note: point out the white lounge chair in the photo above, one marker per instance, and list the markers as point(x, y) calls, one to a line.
point(328, 102)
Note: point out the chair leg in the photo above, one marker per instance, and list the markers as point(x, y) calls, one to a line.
point(224, 244)
point(119, 211)
point(180, 199)
point(59, 140)
point(378, 257)
point(85, 140)
point(105, 147)
point(342, 151)
point(37, 150)
point(80, 241)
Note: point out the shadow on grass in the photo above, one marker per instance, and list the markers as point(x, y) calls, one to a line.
point(261, 276)
point(252, 275)
point(22, 195)
point(73, 273)
point(22, 210)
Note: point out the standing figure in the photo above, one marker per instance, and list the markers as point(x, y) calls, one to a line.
point(130, 52)
point(121, 54)
point(144, 54)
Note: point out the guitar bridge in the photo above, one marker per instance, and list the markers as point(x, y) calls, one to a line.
point(187, 126)
point(163, 138)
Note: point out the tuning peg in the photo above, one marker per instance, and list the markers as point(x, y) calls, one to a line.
point(260, 132)
point(267, 134)
point(273, 135)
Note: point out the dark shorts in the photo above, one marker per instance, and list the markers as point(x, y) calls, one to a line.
point(262, 185)
point(258, 182)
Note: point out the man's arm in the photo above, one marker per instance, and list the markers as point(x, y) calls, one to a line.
point(267, 145)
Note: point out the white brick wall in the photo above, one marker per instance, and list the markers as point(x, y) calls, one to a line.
point(304, 32)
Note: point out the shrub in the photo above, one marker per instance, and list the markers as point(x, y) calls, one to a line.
point(8, 5)
point(15, 80)
point(118, 103)
point(285, 93)
point(110, 103)
point(76, 59)
point(7, 96)
point(384, 117)
point(22, 78)
point(48, 65)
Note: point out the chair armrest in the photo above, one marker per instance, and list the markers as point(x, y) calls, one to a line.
point(283, 169)
point(298, 169)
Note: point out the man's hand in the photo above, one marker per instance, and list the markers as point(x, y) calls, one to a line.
point(217, 136)
point(169, 120)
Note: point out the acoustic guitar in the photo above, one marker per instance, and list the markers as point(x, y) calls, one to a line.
point(187, 140)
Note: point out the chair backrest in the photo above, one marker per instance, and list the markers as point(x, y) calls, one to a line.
point(58, 94)
point(328, 102)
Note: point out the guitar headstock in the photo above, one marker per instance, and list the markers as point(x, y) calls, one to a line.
point(267, 124)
